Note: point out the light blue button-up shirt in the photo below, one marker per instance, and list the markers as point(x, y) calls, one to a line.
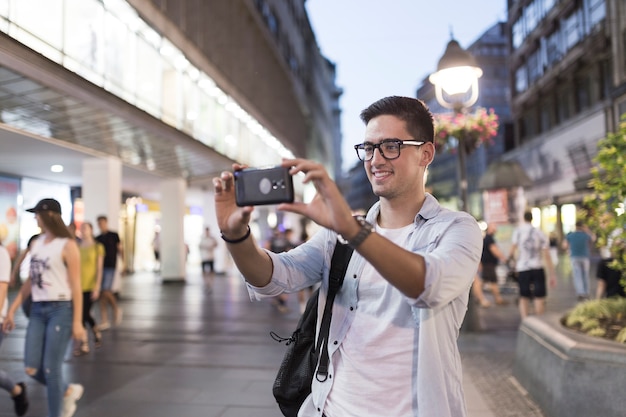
point(451, 244)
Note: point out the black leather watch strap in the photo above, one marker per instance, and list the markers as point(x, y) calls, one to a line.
point(366, 230)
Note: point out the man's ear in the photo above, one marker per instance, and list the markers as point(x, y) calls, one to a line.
point(428, 153)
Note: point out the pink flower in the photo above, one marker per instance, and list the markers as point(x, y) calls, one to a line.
point(473, 129)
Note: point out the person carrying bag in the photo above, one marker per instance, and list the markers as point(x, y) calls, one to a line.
point(293, 381)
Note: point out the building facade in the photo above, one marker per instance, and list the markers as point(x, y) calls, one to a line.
point(568, 89)
point(148, 100)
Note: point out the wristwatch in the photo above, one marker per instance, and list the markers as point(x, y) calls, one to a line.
point(366, 230)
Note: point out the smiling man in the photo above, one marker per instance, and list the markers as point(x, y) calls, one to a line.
point(395, 322)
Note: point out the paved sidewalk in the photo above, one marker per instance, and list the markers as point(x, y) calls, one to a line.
point(488, 355)
point(203, 349)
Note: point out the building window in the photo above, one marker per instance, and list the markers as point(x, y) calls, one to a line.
point(546, 6)
point(572, 29)
point(517, 32)
point(621, 108)
point(583, 93)
point(535, 67)
point(521, 80)
point(546, 118)
point(528, 127)
point(597, 12)
point(531, 15)
point(553, 48)
point(566, 100)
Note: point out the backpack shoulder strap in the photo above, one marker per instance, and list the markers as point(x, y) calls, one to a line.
point(338, 267)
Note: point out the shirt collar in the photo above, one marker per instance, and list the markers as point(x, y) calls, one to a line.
point(429, 209)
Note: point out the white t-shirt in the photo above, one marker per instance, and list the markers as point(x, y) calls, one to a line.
point(207, 246)
point(48, 272)
point(530, 243)
point(375, 356)
point(5, 276)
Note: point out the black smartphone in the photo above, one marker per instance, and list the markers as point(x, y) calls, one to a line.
point(261, 186)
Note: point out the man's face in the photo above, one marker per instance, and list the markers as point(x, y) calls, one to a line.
point(397, 177)
point(102, 225)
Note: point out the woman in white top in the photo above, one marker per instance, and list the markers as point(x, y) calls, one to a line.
point(56, 312)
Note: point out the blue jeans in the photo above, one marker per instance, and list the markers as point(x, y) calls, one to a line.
point(47, 337)
point(580, 273)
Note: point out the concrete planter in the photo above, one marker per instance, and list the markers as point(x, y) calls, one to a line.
point(567, 373)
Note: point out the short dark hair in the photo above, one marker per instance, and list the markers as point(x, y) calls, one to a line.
point(414, 112)
point(528, 216)
point(101, 217)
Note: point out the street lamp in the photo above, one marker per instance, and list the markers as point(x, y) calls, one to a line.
point(456, 88)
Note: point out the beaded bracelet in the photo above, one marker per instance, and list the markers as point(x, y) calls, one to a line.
point(233, 241)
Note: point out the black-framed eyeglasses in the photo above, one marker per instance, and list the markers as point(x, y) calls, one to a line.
point(389, 148)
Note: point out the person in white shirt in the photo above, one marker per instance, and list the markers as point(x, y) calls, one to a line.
point(56, 311)
point(207, 250)
point(395, 322)
point(532, 248)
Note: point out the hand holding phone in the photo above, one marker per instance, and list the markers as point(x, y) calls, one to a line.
point(262, 186)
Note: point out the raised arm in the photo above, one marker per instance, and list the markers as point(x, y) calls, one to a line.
point(252, 261)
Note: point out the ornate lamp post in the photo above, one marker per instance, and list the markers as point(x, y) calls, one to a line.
point(456, 88)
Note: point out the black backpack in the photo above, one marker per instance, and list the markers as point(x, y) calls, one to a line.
point(295, 375)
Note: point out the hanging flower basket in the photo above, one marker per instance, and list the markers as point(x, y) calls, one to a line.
point(467, 129)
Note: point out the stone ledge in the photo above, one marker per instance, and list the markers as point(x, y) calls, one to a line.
point(568, 373)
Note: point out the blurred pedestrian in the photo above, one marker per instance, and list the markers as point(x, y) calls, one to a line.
point(91, 265)
point(156, 248)
point(554, 248)
point(490, 258)
point(112, 251)
point(207, 250)
point(609, 278)
point(16, 391)
point(532, 248)
point(73, 231)
point(56, 312)
point(579, 243)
